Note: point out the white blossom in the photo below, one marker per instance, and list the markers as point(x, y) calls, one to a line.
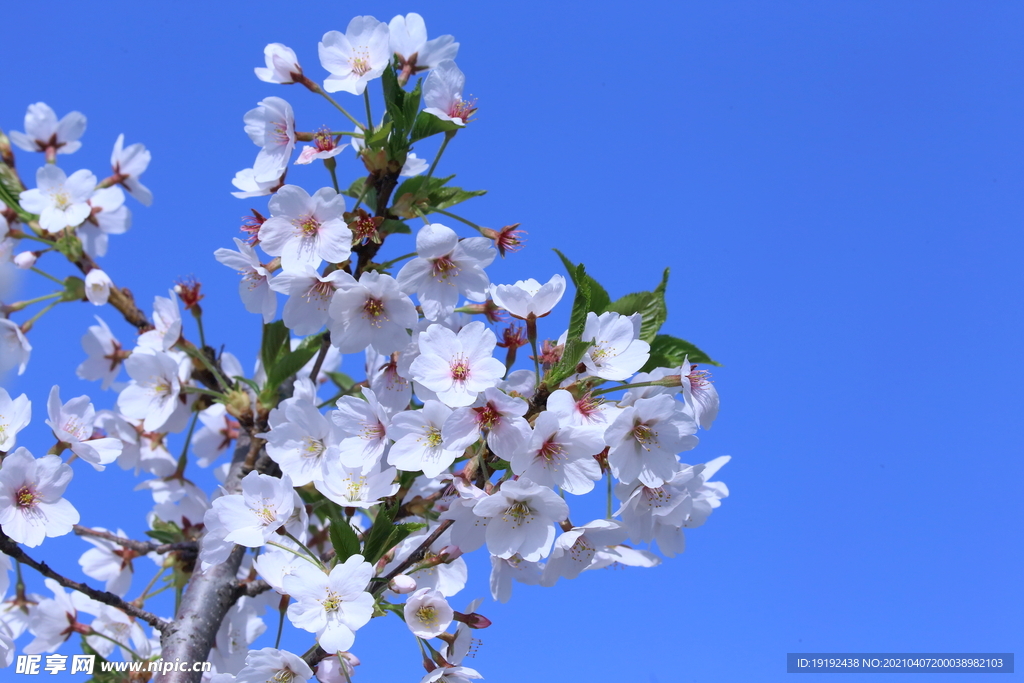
point(444, 268)
point(427, 613)
point(14, 347)
point(522, 517)
point(282, 65)
point(129, 163)
point(72, 424)
point(254, 287)
point(271, 126)
point(306, 229)
point(15, 414)
point(355, 57)
point(32, 506)
point(442, 94)
point(645, 437)
point(332, 606)
point(97, 287)
point(457, 367)
point(43, 130)
point(371, 312)
point(61, 201)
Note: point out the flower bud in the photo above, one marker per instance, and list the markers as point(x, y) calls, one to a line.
point(403, 583)
point(97, 287)
point(26, 259)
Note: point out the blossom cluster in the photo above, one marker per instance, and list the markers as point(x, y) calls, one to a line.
point(445, 447)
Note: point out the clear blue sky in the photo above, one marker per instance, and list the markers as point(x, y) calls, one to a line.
point(838, 189)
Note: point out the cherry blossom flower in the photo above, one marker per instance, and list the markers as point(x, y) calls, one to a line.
point(645, 437)
point(104, 355)
point(215, 437)
point(442, 94)
point(14, 347)
point(446, 267)
point(700, 393)
point(304, 229)
point(54, 619)
point(129, 163)
point(271, 126)
point(302, 441)
point(43, 132)
point(97, 287)
point(364, 425)
point(587, 411)
point(108, 562)
point(352, 487)
point(498, 415)
point(575, 550)
point(152, 395)
point(109, 216)
point(15, 414)
point(427, 613)
point(166, 320)
point(528, 298)
point(254, 287)
point(355, 57)
point(506, 569)
point(371, 312)
point(254, 516)
point(282, 65)
point(325, 146)
point(522, 517)
point(32, 506)
point(117, 626)
point(418, 442)
point(469, 531)
point(332, 606)
point(337, 668)
point(61, 201)
point(560, 456)
point(392, 390)
point(413, 52)
point(248, 186)
point(451, 674)
point(445, 572)
point(617, 351)
point(270, 664)
point(141, 451)
point(72, 424)
point(457, 367)
point(309, 296)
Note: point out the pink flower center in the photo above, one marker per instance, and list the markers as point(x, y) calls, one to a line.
point(462, 109)
point(280, 134)
point(26, 497)
point(487, 416)
point(323, 140)
point(320, 292)
point(551, 450)
point(589, 406)
point(698, 378)
point(459, 368)
point(444, 268)
point(374, 310)
point(360, 63)
point(308, 225)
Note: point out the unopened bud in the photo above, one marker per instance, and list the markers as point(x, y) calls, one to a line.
point(473, 620)
point(238, 403)
point(26, 259)
point(402, 584)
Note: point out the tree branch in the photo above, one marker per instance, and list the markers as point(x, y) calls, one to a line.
point(141, 547)
point(12, 549)
point(414, 557)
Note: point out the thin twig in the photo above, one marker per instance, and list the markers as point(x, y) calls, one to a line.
point(141, 547)
point(12, 549)
point(325, 344)
point(414, 557)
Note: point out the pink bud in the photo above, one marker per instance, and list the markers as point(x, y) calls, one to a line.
point(25, 259)
point(403, 583)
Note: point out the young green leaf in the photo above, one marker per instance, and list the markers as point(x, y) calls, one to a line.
point(343, 538)
point(599, 298)
point(669, 352)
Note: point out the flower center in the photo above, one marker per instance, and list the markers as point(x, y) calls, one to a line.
point(60, 198)
point(323, 140)
point(308, 225)
point(283, 676)
point(460, 368)
point(698, 378)
point(657, 498)
point(433, 437)
point(26, 497)
point(518, 511)
point(265, 513)
point(332, 601)
point(462, 109)
point(427, 615)
point(487, 416)
point(645, 435)
point(373, 431)
point(312, 448)
point(320, 291)
point(551, 450)
point(76, 429)
point(374, 311)
point(444, 268)
point(360, 63)
point(589, 406)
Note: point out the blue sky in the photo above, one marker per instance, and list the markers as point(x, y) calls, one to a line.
point(837, 188)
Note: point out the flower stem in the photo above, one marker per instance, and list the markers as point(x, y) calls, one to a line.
point(183, 458)
point(337, 106)
point(369, 116)
point(45, 274)
point(27, 325)
point(388, 264)
point(460, 219)
point(447, 136)
point(666, 382)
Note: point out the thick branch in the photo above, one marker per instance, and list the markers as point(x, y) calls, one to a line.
point(12, 549)
point(210, 594)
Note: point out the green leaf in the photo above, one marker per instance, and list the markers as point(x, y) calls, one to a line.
point(669, 352)
point(165, 532)
point(376, 539)
point(599, 298)
point(275, 338)
point(379, 136)
point(341, 380)
point(428, 124)
point(251, 383)
point(292, 361)
point(446, 197)
point(390, 227)
point(421, 187)
point(343, 538)
point(575, 347)
point(572, 354)
point(650, 305)
point(411, 107)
